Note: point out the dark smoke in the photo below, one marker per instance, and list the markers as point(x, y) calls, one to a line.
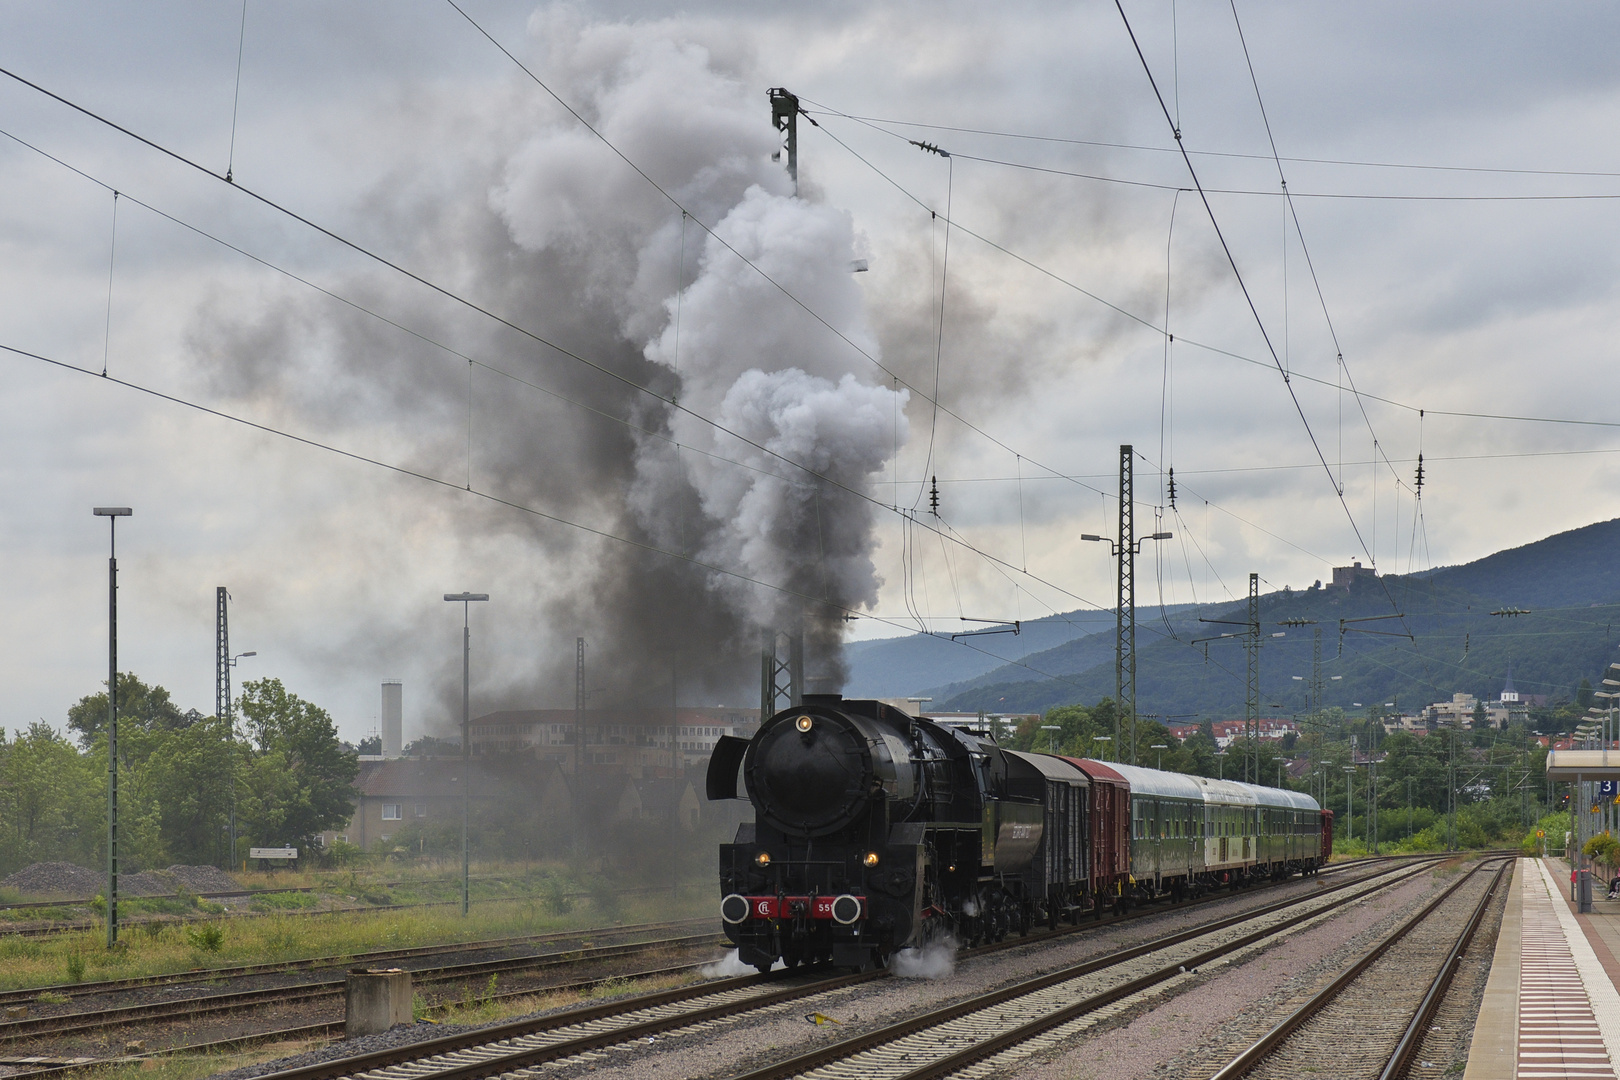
point(536, 219)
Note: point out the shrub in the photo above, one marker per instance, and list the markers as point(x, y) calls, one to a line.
point(1602, 848)
point(209, 937)
point(554, 895)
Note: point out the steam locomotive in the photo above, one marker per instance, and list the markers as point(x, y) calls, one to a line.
point(876, 831)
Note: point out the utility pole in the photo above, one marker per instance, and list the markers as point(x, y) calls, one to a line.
point(579, 741)
point(1125, 604)
point(1251, 650)
point(1451, 792)
point(1251, 646)
point(1350, 798)
point(466, 599)
point(112, 513)
point(1372, 805)
point(785, 118)
point(1316, 673)
point(1125, 549)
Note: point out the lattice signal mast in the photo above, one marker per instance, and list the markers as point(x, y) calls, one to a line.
point(222, 654)
point(781, 670)
point(1125, 603)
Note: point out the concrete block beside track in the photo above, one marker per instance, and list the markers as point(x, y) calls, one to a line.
point(376, 999)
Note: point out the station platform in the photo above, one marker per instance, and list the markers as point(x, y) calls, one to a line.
point(1551, 1007)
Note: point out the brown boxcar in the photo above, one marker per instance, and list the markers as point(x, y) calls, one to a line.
point(1109, 827)
point(1327, 836)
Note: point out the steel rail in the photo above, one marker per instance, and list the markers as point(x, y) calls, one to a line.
point(389, 1057)
point(1267, 1043)
point(821, 1056)
point(334, 1029)
point(1412, 1039)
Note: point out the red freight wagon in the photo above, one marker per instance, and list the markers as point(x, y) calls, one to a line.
point(1110, 822)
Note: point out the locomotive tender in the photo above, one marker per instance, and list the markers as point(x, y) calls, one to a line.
point(876, 831)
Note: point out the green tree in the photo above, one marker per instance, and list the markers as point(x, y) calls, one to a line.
point(140, 707)
point(48, 798)
point(301, 779)
point(191, 777)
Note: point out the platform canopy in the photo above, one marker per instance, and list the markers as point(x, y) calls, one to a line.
point(1583, 765)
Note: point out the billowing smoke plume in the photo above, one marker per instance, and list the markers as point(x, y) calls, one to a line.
point(538, 219)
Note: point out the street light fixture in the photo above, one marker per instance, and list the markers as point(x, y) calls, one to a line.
point(1161, 748)
point(465, 599)
point(1103, 739)
point(1051, 740)
point(1349, 803)
point(112, 514)
point(1220, 766)
point(1279, 762)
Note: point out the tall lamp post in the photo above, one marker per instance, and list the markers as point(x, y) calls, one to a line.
point(230, 718)
point(1103, 739)
point(1349, 802)
point(1051, 738)
point(1220, 764)
point(1279, 762)
point(1161, 748)
point(465, 599)
point(112, 514)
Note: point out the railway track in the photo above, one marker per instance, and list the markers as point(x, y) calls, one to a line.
point(1370, 1021)
point(330, 987)
point(572, 1035)
point(199, 975)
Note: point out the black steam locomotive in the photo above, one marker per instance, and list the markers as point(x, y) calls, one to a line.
point(875, 831)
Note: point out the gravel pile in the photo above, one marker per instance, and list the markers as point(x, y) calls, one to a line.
point(203, 879)
point(146, 883)
point(56, 879)
point(62, 880)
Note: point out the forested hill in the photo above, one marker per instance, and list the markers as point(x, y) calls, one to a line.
point(1569, 584)
point(1572, 569)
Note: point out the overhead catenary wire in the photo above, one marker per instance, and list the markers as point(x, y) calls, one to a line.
point(776, 455)
point(875, 121)
point(112, 261)
point(236, 95)
point(486, 312)
point(1148, 324)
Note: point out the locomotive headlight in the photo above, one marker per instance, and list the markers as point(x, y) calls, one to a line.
point(870, 858)
point(763, 858)
point(803, 723)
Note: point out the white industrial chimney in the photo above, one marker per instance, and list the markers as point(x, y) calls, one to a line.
point(393, 719)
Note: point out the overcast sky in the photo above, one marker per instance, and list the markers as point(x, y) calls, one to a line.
point(1451, 233)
